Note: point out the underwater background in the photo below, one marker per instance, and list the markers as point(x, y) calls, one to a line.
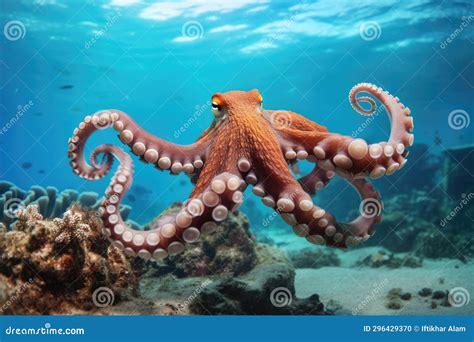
point(160, 62)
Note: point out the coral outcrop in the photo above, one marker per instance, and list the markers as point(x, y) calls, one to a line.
point(58, 266)
point(55, 267)
point(51, 203)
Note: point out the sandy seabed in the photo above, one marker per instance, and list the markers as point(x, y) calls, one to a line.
point(363, 290)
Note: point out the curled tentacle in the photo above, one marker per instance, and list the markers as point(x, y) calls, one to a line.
point(199, 215)
point(317, 225)
point(355, 158)
point(163, 154)
point(316, 180)
point(355, 102)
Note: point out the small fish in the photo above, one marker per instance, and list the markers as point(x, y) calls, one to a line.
point(131, 198)
point(182, 182)
point(66, 86)
point(26, 165)
point(38, 114)
point(42, 172)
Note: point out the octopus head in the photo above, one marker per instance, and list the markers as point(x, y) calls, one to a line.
point(236, 103)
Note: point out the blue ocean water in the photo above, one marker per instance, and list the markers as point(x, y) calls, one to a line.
point(161, 62)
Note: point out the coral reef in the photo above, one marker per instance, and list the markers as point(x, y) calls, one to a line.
point(314, 258)
point(415, 222)
point(57, 266)
point(51, 267)
point(51, 203)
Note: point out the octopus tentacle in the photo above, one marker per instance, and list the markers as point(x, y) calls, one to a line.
point(151, 149)
point(292, 200)
point(199, 215)
point(351, 157)
point(284, 121)
point(316, 180)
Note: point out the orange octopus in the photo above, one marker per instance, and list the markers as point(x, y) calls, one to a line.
point(247, 144)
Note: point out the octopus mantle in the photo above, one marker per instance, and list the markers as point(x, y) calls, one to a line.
point(247, 145)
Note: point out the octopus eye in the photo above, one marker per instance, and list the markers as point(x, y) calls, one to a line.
point(216, 109)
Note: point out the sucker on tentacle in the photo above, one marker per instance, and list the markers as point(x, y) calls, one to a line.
point(355, 158)
point(246, 145)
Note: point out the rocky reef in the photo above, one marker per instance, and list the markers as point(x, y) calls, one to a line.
point(230, 250)
point(227, 272)
point(68, 266)
point(59, 266)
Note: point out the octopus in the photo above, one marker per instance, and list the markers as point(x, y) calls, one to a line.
point(247, 145)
